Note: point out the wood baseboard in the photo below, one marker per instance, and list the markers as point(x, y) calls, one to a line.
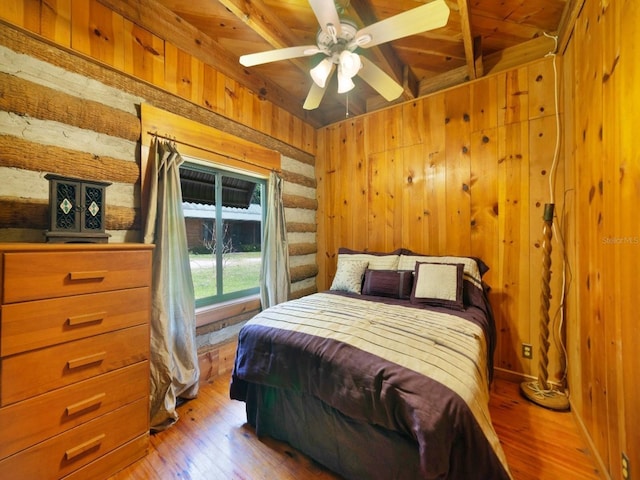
point(511, 376)
point(582, 429)
point(517, 377)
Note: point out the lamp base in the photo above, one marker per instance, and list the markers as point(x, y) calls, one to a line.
point(552, 399)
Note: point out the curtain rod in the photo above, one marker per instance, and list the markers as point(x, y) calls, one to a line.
point(242, 160)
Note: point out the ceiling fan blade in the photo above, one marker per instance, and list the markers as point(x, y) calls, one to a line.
point(279, 54)
point(327, 14)
point(316, 93)
point(314, 97)
point(380, 81)
point(420, 19)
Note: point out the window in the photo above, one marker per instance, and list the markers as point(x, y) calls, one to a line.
point(224, 214)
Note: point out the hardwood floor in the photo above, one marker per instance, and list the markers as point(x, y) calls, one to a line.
point(211, 441)
point(540, 444)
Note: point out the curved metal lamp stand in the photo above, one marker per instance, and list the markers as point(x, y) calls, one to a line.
point(540, 391)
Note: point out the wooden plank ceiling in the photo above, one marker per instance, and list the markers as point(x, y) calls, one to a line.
point(480, 37)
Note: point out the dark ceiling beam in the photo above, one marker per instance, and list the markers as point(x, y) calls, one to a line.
point(567, 23)
point(163, 23)
point(447, 79)
point(518, 55)
point(361, 12)
point(478, 58)
point(261, 19)
point(473, 56)
point(506, 59)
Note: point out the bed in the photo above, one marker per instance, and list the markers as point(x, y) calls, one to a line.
point(384, 376)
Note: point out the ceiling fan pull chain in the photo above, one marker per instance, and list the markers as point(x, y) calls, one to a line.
point(347, 104)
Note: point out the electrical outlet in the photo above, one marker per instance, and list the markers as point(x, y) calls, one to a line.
point(527, 350)
point(626, 467)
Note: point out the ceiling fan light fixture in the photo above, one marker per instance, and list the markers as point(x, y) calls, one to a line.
point(320, 73)
point(350, 63)
point(345, 84)
point(338, 38)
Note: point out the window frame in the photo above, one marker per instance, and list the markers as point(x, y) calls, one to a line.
point(221, 298)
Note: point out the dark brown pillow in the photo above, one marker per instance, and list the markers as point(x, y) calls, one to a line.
point(388, 283)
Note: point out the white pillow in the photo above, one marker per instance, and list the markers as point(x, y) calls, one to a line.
point(376, 262)
point(438, 284)
point(471, 270)
point(349, 275)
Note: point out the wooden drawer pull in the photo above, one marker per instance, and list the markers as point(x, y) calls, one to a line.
point(85, 404)
point(88, 318)
point(84, 447)
point(88, 360)
point(95, 275)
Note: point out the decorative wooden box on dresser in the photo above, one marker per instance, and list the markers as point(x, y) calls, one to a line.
point(74, 359)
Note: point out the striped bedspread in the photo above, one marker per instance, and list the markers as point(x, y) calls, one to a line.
point(420, 372)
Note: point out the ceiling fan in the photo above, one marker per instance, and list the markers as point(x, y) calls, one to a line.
point(339, 38)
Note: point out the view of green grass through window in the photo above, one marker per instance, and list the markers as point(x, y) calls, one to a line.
point(241, 271)
point(223, 218)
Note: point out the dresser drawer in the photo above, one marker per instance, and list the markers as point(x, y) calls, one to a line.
point(114, 461)
point(64, 453)
point(39, 275)
point(30, 421)
point(41, 323)
point(38, 371)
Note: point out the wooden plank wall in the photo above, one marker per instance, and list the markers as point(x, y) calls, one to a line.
point(462, 172)
point(603, 172)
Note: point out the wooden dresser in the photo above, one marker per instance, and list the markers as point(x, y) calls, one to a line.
point(74, 359)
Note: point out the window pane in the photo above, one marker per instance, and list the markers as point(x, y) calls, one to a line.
point(243, 237)
point(223, 218)
point(201, 241)
point(241, 271)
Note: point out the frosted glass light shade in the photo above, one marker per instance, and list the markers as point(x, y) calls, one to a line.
point(320, 73)
point(350, 63)
point(345, 84)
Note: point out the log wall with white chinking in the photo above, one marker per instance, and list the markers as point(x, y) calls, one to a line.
point(73, 75)
point(460, 172)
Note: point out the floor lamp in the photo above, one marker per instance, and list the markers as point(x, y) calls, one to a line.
point(540, 391)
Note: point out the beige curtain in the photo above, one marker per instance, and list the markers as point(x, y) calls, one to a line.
point(174, 359)
point(275, 283)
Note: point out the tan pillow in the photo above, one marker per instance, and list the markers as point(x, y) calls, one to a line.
point(349, 275)
point(438, 284)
